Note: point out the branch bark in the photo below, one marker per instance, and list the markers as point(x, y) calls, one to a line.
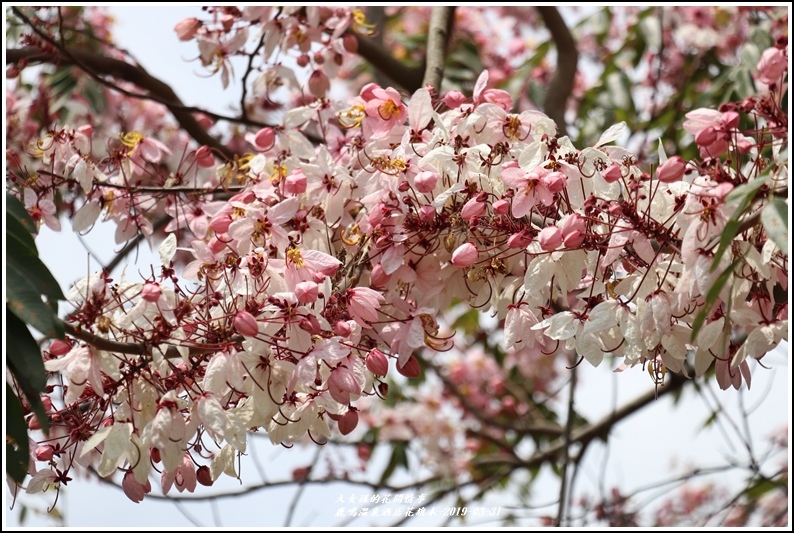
point(561, 85)
point(441, 18)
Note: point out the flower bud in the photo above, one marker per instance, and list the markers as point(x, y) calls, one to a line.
point(310, 324)
point(427, 213)
point(204, 476)
point(342, 328)
point(520, 239)
point(612, 173)
point(465, 255)
point(554, 181)
point(187, 28)
point(319, 84)
point(348, 422)
point(730, 119)
point(151, 292)
point(426, 181)
point(245, 324)
point(379, 278)
point(377, 363)
point(472, 208)
point(205, 157)
point(501, 207)
point(573, 230)
point(132, 489)
point(550, 238)
point(59, 347)
point(265, 138)
point(306, 292)
point(350, 43)
point(706, 137)
point(454, 99)
point(410, 369)
point(671, 170)
point(44, 453)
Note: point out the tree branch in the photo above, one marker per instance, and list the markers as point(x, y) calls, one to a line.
point(409, 78)
point(441, 20)
point(561, 85)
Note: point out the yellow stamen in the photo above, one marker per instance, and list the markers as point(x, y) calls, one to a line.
point(352, 118)
point(294, 255)
point(131, 139)
point(361, 25)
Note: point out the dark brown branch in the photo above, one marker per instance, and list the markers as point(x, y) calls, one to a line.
point(409, 78)
point(441, 20)
point(561, 85)
point(96, 65)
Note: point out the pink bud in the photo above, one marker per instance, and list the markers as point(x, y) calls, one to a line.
point(501, 207)
point(472, 208)
point(744, 146)
point(33, 422)
point(154, 453)
point(151, 292)
point(706, 136)
point(310, 324)
point(465, 255)
point(204, 476)
point(612, 173)
point(265, 138)
point(410, 369)
point(59, 347)
point(427, 213)
point(554, 181)
point(306, 291)
point(132, 489)
point(227, 21)
point(220, 223)
point(520, 239)
point(216, 245)
point(730, 119)
point(379, 278)
point(377, 363)
point(426, 181)
point(350, 43)
point(319, 58)
point(348, 422)
point(245, 324)
point(454, 99)
point(295, 182)
point(301, 473)
point(550, 238)
point(342, 328)
point(87, 130)
point(302, 60)
point(44, 453)
point(47, 401)
point(187, 28)
point(319, 84)
point(671, 170)
point(205, 157)
point(772, 65)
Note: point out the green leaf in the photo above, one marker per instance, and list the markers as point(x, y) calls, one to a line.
point(712, 295)
point(24, 361)
point(15, 208)
point(37, 273)
point(399, 457)
point(774, 216)
point(17, 231)
point(24, 300)
point(17, 448)
point(744, 194)
point(469, 322)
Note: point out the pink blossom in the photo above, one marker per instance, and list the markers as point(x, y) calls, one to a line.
point(183, 476)
point(475, 207)
point(465, 255)
point(454, 99)
point(151, 292)
point(530, 189)
point(364, 304)
point(385, 110)
point(205, 157)
point(772, 65)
